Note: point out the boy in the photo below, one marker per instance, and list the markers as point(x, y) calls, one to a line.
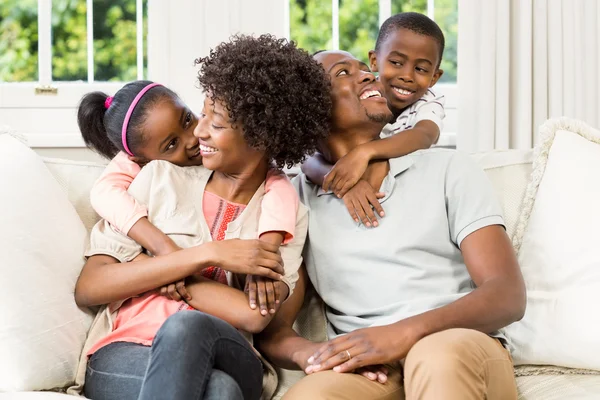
point(407, 55)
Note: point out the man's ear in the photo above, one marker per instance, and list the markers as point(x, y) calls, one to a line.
point(373, 61)
point(438, 74)
point(141, 161)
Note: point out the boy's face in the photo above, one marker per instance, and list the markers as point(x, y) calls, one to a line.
point(407, 65)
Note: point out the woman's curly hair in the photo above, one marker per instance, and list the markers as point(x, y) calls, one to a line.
point(278, 92)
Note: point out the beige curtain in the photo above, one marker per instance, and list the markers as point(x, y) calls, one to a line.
point(521, 62)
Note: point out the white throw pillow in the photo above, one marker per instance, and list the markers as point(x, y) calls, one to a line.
point(558, 245)
point(42, 241)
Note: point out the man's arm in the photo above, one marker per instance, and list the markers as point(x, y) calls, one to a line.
point(279, 342)
point(498, 300)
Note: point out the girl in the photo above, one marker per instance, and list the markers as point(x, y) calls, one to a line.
point(115, 127)
point(145, 346)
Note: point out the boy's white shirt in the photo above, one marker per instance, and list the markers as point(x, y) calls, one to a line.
point(429, 107)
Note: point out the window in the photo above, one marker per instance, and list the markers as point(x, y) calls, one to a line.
point(352, 25)
point(54, 51)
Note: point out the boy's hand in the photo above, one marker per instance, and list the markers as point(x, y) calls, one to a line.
point(346, 172)
point(267, 291)
point(360, 202)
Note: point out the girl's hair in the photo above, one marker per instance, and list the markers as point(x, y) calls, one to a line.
point(276, 91)
point(100, 118)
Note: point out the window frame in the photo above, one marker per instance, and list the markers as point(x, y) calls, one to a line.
point(46, 94)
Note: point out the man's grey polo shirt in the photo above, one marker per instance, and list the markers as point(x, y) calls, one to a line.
point(412, 262)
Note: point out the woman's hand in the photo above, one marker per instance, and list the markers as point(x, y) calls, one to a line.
point(247, 257)
point(361, 200)
point(346, 172)
point(266, 290)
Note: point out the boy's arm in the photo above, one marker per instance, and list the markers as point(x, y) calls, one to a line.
point(350, 168)
point(422, 136)
point(111, 200)
point(315, 168)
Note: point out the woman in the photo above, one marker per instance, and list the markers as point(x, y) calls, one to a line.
point(266, 101)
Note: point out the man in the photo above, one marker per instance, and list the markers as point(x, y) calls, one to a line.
point(424, 294)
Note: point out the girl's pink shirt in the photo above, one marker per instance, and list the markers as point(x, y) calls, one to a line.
point(110, 199)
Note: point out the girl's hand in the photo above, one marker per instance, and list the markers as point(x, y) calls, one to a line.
point(247, 257)
point(346, 172)
point(267, 291)
point(360, 202)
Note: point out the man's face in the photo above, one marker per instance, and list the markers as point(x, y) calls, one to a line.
point(355, 93)
point(408, 66)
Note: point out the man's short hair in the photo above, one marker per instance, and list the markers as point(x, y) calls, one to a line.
point(415, 22)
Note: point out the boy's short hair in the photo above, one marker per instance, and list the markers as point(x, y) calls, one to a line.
point(415, 22)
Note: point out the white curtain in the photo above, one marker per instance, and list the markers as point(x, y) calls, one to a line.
point(521, 62)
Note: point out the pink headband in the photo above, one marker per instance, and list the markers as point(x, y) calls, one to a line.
point(130, 111)
point(108, 101)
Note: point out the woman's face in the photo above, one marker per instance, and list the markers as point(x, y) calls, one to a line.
point(169, 134)
point(222, 144)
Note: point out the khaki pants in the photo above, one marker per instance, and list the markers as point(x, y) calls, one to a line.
point(457, 364)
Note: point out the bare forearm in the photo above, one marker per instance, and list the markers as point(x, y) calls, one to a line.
point(285, 348)
point(109, 280)
point(227, 303)
point(494, 305)
point(315, 168)
point(151, 238)
point(418, 138)
point(275, 238)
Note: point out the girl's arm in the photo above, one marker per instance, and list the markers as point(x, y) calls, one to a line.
point(229, 304)
point(278, 209)
point(110, 199)
point(315, 168)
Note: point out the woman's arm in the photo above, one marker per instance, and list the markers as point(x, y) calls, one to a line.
point(104, 279)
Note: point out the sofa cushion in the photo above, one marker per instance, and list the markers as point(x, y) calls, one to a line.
point(42, 241)
point(76, 178)
point(557, 244)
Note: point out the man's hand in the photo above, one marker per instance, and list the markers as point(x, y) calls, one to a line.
point(247, 257)
point(266, 290)
point(346, 172)
point(360, 202)
point(365, 347)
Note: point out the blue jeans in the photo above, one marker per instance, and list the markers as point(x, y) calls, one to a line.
point(194, 356)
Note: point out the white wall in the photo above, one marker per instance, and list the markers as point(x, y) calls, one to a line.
point(184, 32)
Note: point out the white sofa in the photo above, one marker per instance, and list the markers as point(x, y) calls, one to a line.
point(508, 170)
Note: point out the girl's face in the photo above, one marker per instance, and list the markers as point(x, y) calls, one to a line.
point(222, 144)
point(169, 134)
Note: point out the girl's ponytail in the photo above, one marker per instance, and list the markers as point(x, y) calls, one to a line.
point(102, 119)
point(90, 118)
